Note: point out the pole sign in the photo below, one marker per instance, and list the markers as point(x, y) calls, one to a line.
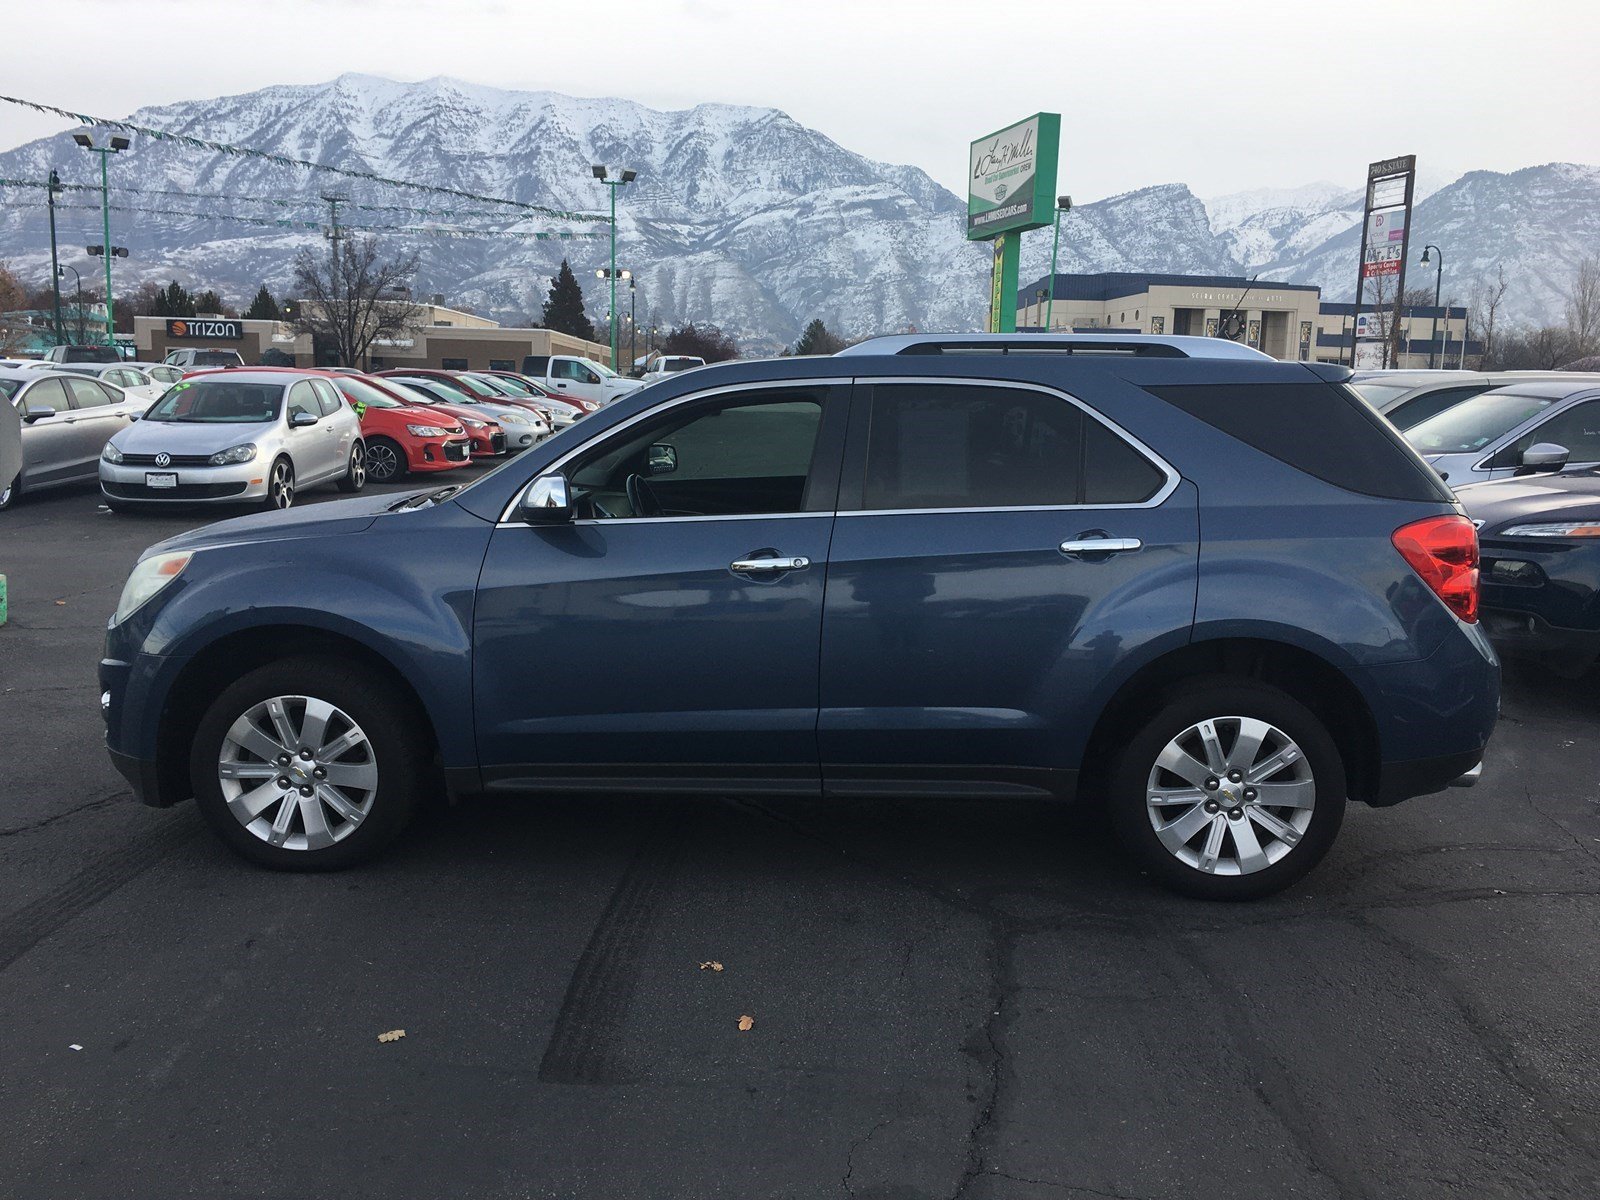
point(1011, 186)
point(204, 330)
point(1011, 177)
point(1385, 245)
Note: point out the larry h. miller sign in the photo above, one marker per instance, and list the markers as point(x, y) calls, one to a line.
point(1011, 186)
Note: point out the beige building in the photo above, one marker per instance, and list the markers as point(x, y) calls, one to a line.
point(1286, 320)
point(447, 338)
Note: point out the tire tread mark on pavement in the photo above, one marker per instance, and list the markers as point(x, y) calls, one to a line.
point(39, 918)
point(583, 1045)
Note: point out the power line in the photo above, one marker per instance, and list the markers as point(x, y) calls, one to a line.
point(284, 160)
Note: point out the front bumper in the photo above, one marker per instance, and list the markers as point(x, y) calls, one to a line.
point(238, 481)
point(1566, 652)
point(439, 454)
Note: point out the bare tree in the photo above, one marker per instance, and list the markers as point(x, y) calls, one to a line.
point(13, 297)
point(351, 299)
point(1583, 307)
point(1488, 297)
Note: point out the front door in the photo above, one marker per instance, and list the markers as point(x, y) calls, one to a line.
point(971, 615)
point(314, 448)
point(667, 637)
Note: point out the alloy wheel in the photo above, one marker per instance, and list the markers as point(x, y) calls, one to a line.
point(298, 772)
point(358, 469)
point(280, 487)
point(383, 463)
point(7, 493)
point(1230, 795)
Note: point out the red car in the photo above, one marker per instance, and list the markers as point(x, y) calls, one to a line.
point(536, 389)
point(401, 438)
point(487, 434)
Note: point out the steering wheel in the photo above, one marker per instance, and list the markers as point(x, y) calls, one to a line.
point(642, 497)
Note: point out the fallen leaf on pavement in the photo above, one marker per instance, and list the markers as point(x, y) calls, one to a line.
point(394, 1035)
point(61, 603)
point(711, 966)
point(746, 1024)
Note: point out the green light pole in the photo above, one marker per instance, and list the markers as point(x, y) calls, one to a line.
point(1063, 205)
point(627, 177)
point(118, 144)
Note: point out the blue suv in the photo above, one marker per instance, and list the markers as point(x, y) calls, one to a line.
point(1213, 593)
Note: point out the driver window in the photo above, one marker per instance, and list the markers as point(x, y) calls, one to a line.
point(586, 375)
point(1578, 429)
point(729, 456)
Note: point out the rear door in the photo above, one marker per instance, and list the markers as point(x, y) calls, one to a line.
point(970, 610)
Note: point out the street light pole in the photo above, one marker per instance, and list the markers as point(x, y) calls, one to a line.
point(118, 144)
point(627, 176)
point(79, 278)
point(1063, 205)
point(633, 326)
point(1438, 283)
point(51, 188)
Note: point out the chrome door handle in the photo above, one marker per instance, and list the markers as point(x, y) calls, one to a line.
point(1108, 545)
point(770, 564)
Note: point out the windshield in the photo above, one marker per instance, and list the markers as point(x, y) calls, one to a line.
point(467, 384)
point(219, 402)
point(1380, 395)
point(364, 393)
point(410, 394)
point(511, 387)
point(496, 387)
point(1475, 423)
point(605, 371)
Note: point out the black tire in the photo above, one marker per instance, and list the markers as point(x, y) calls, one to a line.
point(355, 471)
point(281, 471)
point(386, 460)
point(398, 747)
point(1205, 700)
point(10, 492)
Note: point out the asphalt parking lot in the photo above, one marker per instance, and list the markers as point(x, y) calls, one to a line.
point(948, 999)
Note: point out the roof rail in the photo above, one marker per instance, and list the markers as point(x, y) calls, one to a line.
point(1137, 345)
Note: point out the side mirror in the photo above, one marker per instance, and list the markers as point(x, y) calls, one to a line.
point(38, 412)
point(546, 501)
point(662, 459)
point(1545, 456)
point(302, 420)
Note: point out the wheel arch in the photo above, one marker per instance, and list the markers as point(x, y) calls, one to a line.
point(1301, 673)
point(203, 677)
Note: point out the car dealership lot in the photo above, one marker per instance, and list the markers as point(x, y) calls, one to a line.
point(948, 998)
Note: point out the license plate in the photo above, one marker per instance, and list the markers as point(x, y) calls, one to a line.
point(167, 480)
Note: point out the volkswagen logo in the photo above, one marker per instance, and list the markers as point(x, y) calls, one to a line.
point(163, 459)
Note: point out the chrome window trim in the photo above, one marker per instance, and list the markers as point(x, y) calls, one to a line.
point(1162, 494)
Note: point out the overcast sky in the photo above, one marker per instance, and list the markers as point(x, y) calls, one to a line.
point(1221, 96)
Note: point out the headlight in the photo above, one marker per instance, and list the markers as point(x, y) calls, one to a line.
point(424, 431)
point(148, 578)
point(512, 418)
point(471, 424)
point(233, 454)
point(1558, 529)
point(111, 454)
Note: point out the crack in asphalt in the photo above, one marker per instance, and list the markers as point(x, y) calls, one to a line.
point(855, 1146)
point(105, 800)
point(1075, 1189)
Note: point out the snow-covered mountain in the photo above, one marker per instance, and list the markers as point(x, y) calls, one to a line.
point(740, 215)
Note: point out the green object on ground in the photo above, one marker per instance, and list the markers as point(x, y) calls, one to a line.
point(2, 599)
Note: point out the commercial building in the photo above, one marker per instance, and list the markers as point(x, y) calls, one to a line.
point(1289, 321)
point(443, 337)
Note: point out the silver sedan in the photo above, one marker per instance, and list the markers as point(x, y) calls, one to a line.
point(66, 420)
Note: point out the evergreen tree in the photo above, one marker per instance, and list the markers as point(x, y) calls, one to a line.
point(563, 311)
point(263, 307)
point(817, 339)
point(174, 301)
point(208, 302)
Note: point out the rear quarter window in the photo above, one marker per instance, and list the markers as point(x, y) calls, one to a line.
point(1319, 428)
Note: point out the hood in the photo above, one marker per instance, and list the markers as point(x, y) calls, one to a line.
point(1532, 498)
point(311, 520)
point(187, 437)
point(621, 383)
point(417, 415)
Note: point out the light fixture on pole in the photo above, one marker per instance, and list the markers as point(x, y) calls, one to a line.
point(118, 144)
point(1063, 206)
point(627, 176)
point(1438, 282)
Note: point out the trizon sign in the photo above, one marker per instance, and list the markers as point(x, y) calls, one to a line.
point(205, 330)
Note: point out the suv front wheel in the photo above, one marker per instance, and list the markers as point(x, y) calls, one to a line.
point(1233, 790)
point(308, 764)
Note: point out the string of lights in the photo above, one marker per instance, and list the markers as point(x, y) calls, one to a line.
point(227, 148)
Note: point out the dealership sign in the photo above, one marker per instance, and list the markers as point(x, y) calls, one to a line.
point(1011, 177)
point(205, 330)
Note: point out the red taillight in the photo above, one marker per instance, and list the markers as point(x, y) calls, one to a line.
point(1444, 551)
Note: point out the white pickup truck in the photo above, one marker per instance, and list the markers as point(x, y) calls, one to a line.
point(568, 375)
point(663, 365)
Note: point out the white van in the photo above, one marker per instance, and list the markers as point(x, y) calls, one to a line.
point(568, 375)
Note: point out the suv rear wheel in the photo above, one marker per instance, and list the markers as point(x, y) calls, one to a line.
point(1231, 791)
point(308, 764)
